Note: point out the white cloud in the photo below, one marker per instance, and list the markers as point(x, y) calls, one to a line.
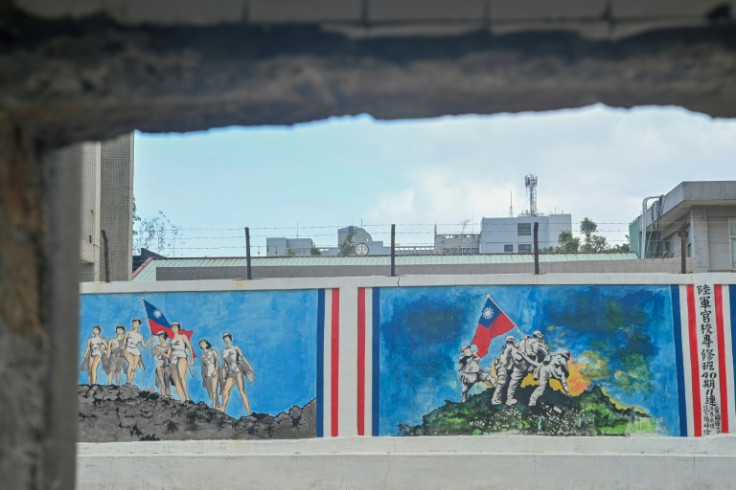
point(594, 162)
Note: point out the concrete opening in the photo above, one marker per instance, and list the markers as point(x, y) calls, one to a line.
point(81, 71)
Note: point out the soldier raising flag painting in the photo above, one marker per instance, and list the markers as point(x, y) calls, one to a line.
point(492, 323)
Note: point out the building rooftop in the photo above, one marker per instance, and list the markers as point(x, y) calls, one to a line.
point(688, 194)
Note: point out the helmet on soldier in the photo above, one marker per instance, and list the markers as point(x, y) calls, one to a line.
point(565, 353)
point(538, 334)
point(510, 338)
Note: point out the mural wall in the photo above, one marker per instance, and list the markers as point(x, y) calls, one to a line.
point(203, 365)
point(592, 360)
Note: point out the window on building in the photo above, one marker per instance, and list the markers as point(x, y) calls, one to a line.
point(525, 248)
point(524, 229)
point(508, 248)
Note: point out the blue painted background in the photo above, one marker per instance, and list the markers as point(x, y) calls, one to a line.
point(421, 330)
point(277, 331)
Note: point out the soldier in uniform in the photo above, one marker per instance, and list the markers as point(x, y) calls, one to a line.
point(529, 355)
point(504, 364)
point(553, 367)
point(470, 371)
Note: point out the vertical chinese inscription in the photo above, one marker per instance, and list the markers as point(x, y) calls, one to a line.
point(709, 382)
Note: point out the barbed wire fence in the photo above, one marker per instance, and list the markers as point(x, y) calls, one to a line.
point(230, 241)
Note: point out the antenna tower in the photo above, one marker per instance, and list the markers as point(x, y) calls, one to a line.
point(511, 205)
point(530, 181)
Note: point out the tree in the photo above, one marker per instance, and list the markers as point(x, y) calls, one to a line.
point(155, 233)
point(622, 248)
point(592, 243)
point(587, 228)
point(347, 248)
point(598, 244)
point(568, 243)
point(315, 251)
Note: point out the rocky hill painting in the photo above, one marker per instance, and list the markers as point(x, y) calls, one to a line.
point(591, 413)
point(125, 413)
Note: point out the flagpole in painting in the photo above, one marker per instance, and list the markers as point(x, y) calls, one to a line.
point(493, 322)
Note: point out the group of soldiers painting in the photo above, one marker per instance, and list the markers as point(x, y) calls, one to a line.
point(511, 366)
point(173, 359)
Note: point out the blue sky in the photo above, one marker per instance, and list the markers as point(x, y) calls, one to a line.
point(310, 179)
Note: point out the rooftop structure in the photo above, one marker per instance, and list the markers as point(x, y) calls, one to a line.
point(705, 212)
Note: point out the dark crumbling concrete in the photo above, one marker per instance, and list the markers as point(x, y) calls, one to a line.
point(125, 413)
point(23, 340)
point(63, 81)
point(93, 79)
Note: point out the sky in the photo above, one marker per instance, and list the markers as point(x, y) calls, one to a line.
point(309, 180)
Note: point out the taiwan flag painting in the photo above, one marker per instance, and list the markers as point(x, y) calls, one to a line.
point(493, 322)
point(158, 322)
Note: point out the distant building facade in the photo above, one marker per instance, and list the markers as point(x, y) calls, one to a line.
point(281, 246)
point(516, 234)
point(107, 209)
point(459, 244)
point(497, 236)
point(705, 212)
point(361, 244)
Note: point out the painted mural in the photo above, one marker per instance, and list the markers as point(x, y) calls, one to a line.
point(550, 360)
point(561, 360)
point(204, 365)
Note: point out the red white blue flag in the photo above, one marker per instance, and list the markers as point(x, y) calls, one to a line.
point(493, 322)
point(158, 322)
point(705, 364)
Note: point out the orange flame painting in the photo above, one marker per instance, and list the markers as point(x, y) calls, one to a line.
point(576, 381)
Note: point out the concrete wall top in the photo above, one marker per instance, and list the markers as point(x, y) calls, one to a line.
point(407, 281)
point(715, 445)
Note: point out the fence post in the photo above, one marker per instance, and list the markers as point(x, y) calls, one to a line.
point(393, 250)
point(247, 254)
point(536, 247)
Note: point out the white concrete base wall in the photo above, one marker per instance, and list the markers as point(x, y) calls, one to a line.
point(475, 462)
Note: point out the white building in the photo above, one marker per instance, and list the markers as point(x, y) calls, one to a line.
point(515, 235)
point(281, 246)
point(107, 206)
point(705, 211)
